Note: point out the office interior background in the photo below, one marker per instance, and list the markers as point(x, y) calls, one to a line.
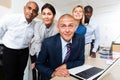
point(106, 13)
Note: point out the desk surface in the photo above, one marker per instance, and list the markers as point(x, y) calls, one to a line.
point(98, 62)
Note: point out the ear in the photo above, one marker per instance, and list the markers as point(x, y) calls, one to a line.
point(36, 14)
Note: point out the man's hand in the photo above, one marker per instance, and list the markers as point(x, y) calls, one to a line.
point(61, 71)
point(93, 54)
point(33, 65)
point(61, 67)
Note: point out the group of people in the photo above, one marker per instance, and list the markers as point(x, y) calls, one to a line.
point(54, 48)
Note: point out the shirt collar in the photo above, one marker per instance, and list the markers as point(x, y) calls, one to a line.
point(64, 42)
point(23, 19)
point(51, 26)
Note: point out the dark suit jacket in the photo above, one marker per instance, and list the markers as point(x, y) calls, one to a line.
point(50, 56)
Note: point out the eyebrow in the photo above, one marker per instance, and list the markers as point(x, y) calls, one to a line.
point(36, 10)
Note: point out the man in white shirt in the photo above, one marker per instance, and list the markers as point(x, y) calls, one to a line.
point(16, 32)
point(92, 30)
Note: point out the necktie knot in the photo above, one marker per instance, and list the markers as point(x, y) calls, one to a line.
point(68, 45)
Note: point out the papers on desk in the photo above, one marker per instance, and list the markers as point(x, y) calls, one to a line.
point(116, 54)
point(104, 51)
point(109, 61)
point(107, 55)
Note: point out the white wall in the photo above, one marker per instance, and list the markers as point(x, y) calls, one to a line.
point(4, 10)
point(18, 5)
point(109, 23)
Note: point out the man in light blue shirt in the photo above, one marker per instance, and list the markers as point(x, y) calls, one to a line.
point(92, 30)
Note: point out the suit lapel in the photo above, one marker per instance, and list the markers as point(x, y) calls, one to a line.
point(73, 48)
point(59, 50)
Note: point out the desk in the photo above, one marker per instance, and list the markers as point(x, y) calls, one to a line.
point(98, 62)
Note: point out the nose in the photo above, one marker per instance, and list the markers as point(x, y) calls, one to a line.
point(86, 14)
point(31, 11)
point(67, 29)
point(46, 16)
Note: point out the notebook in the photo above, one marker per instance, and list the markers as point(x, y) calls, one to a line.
point(88, 72)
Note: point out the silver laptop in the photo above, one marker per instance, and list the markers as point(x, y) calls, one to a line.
point(88, 72)
point(106, 71)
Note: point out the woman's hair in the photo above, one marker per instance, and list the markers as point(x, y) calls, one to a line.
point(83, 17)
point(49, 6)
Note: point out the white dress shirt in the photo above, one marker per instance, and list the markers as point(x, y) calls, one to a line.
point(92, 30)
point(15, 31)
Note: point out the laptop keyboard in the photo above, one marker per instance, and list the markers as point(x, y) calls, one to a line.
point(89, 72)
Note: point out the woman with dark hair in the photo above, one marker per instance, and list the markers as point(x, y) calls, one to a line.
point(43, 29)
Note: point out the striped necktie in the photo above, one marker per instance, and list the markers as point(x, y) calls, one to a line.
point(68, 52)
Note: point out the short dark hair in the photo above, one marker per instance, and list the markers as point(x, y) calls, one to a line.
point(35, 4)
point(88, 7)
point(49, 6)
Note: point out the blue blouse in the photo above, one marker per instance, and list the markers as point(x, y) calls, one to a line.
point(81, 29)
